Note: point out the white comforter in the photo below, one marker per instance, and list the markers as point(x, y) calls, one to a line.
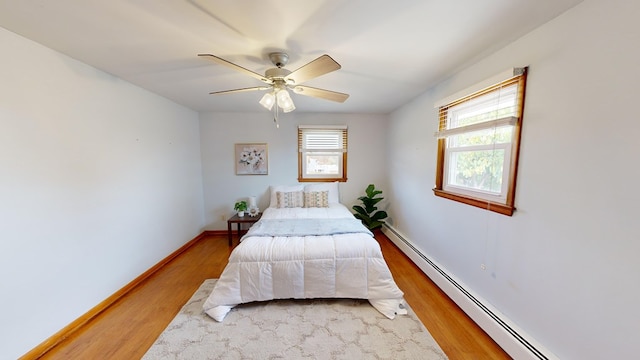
point(328, 266)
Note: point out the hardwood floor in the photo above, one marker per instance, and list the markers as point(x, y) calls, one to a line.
point(455, 332)
point(128, 328)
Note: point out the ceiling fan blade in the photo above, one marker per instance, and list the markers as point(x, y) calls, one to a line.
point(320, 93)
point(240, 90)
point(320, 66)
point(239, 68)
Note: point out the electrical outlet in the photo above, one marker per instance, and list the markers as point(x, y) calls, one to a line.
point(223, 217)
point(483, 266)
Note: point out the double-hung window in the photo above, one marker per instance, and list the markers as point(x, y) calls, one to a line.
point(322, 153)
point(479, 137)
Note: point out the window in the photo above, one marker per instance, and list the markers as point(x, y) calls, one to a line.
point(479, 137)
point(322, 154)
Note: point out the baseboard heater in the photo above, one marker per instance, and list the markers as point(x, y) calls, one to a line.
point(514, 343)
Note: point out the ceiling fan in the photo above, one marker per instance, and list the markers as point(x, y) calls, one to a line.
point(278, 80)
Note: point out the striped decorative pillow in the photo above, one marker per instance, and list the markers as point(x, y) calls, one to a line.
point(316, 199)
point(291, 199)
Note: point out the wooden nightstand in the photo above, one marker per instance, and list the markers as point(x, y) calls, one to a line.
point(235, 219)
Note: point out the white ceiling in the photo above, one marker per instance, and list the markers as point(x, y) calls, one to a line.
point(390, 51)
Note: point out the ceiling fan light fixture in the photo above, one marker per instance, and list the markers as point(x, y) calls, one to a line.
point(279, 80)
point(284, 101)
point(267, 101)
point(289, 108)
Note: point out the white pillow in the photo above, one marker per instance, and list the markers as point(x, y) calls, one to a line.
point(282, 188)
point(334, 195)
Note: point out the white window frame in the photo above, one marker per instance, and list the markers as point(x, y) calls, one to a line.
point(500, 197)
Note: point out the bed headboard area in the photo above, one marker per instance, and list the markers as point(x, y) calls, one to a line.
point(301, 195)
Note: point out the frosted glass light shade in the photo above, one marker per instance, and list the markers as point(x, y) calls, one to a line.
point(267, 101)
point(284, 101)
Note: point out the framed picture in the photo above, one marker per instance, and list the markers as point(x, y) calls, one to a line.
point(251, 159)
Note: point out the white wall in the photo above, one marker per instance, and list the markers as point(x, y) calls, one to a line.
point(220, 131)
point(99, 180)
point(564, 268)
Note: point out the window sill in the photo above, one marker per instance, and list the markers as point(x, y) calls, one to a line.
point(322, 179)
point(479, 203)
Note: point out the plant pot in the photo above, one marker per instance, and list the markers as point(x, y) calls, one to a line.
point(240, 213)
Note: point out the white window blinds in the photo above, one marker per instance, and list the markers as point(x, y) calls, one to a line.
point(493, 107)
point(322, 139)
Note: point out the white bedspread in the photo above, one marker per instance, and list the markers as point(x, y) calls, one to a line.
point(327, 266)
point(303, 227)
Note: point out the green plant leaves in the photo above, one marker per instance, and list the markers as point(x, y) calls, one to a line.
point(366, 212)
point(372, 192)
point(240, 206)
point(379, 215)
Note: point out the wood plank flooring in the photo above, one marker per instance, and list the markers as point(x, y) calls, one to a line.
point(128, 328)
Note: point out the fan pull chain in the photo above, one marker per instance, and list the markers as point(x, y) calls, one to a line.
point(275, 114)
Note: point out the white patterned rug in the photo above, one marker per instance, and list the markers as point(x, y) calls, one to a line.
point(293, 329)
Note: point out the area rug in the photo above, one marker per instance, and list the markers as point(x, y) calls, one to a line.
point(293, 329)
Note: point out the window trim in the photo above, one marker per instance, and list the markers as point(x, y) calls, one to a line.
point(508, 207)
point(301, 153)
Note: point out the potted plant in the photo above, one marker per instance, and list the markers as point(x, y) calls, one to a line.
point(371, 217)
point(240, 207)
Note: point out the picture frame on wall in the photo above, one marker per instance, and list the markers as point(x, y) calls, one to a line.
point(251, 159)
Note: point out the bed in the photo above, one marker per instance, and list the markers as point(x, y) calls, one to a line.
point(306, 245)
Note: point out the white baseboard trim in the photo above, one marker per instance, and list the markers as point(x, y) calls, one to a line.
point(513, 340)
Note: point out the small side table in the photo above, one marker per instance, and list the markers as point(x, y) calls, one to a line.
point(235, 219)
